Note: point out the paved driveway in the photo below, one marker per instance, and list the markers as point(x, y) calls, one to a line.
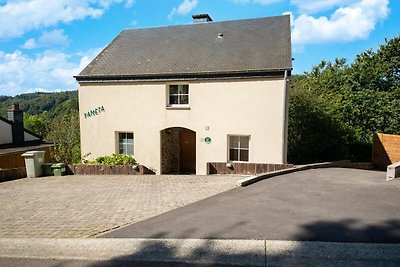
point(84, 206)
point(332, 204)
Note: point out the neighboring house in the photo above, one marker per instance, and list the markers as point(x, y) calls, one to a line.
point(15, 140)
point(179, 97)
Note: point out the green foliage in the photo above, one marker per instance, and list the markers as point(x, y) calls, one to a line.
point(64, 132)
point(38, 124)
point(335, 108)
point(115, 159)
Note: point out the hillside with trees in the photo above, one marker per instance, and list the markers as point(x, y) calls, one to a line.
point(53, 116)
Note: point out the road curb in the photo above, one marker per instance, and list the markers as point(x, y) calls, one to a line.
point(205, 251)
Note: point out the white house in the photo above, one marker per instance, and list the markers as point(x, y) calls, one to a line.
point(179, 97)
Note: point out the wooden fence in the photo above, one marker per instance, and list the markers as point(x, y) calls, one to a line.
point(15, 160)
point(244, 168)
point(385, 150)
point(106, 169)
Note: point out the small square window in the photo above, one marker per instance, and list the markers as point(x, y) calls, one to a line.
point(178, 95)
point(125, 143)
point(239, 147)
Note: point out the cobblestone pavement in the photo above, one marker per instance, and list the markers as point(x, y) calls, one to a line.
point(85, 206)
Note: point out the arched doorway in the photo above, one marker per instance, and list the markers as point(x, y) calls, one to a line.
point(178, 151)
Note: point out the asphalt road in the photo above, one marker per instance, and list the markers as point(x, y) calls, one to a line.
point(334, 204)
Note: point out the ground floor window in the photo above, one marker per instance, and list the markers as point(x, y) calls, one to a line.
point(239, 147)
point(125, 143)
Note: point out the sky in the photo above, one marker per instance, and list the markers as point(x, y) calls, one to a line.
point(43, 43)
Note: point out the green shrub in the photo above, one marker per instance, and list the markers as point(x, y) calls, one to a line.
point(115, 159)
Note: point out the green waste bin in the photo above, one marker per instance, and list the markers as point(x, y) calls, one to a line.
point(58, 169)
point(47, 170)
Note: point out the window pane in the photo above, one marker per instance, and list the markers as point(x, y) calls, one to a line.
point(129, 150)
point(244, 155)
point(125, 143)
point(173, 89)
point(233, 141)
point(121, 137)
point(173, 99)
point(184, 99)
point(244, 142)
point(233, 154)
point(183, 89)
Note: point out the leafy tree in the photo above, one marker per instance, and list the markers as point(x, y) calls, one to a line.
point(335, 108)
point(64, 132)
point(38, 124)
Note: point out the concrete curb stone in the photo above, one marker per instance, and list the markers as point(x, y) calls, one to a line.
point(254, 179)
point(205, 252)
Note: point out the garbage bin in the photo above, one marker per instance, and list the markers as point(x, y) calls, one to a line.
point(33, 163)
point(58, 169)
point(47, 170)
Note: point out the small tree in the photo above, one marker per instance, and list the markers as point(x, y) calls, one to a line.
point(64, 132)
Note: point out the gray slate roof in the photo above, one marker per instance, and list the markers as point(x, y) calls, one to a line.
point(240, 46)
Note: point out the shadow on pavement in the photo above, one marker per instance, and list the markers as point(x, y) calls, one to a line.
point(282, 253)
point(349, 231)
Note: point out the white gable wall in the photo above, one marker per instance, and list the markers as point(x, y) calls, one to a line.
point(29, 137)
point(5, 133)
point(237, 107)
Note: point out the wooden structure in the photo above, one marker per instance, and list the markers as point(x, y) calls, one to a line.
point(385, 150)
point(11, 157)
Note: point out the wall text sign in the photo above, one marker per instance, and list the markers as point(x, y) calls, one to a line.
point(94, 112)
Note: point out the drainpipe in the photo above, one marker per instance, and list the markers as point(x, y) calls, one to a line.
point(285, 120)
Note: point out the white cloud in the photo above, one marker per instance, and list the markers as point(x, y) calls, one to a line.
point(347, 23)
point(184, 8)
point(48, 39)
point(129, 3)
point(18, 17)
point(29, 44)
point(312, 6)
point(48, 71)
point(262, 2)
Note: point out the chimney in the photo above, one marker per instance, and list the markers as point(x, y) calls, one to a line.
point(16, 115)
point(201, 18)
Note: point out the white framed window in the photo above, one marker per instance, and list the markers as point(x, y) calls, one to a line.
point(178, 95)
point(238, 147)
point(125, 143)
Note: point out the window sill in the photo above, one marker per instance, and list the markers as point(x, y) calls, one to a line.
point(179, 107)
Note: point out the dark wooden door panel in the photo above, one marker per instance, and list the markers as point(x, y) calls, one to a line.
point(187, 141)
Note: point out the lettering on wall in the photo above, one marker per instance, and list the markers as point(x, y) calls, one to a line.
point(94, 112)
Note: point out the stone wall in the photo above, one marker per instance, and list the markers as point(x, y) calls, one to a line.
point(12, 174)
point(170, 150)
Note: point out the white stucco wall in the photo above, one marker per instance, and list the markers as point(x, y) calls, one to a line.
point(239, 107)
point(5, 133)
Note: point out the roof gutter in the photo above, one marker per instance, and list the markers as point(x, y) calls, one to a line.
point(184, 76)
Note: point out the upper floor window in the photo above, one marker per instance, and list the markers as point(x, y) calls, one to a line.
point(239, 147)
point(178, 95)
point(125, 143)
